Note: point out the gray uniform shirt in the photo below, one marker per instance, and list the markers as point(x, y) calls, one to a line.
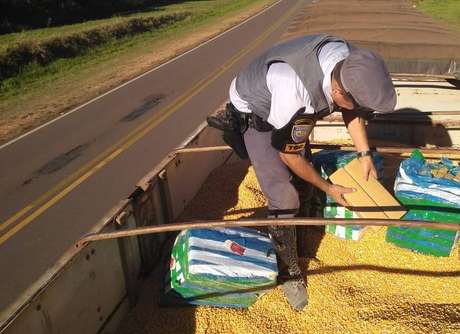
point(288, 94)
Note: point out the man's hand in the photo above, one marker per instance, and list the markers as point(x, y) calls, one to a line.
point(300, 166)
point(336, 192)
point(368, 168)
point(356, 128)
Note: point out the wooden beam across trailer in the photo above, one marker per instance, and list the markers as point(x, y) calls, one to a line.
point(260, 222)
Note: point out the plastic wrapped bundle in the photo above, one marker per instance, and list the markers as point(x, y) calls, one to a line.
point(221, 267)
point(348, 232)
point(428, 197)
point(327, 162)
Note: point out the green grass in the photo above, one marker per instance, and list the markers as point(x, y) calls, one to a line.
point(442, 10)
point(199, 8)
point(39, 35)
point(34, 76)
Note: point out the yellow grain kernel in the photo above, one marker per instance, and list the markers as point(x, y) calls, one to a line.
point(368, 286)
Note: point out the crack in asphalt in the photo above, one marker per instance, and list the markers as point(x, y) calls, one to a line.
point(149, 103)
point(58, 163)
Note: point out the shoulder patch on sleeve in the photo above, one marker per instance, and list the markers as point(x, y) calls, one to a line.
point(293, 148)
point(301, 129)
point(293, 136)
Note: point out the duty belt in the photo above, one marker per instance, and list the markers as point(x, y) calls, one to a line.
point(256, 122)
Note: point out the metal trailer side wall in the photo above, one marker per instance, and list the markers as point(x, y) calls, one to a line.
point(77, 294)
point(90, 289)
point(427, 114)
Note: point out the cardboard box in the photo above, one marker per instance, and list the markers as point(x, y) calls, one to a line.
point(371, 200)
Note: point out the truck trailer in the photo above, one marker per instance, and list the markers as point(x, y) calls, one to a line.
point(110, 280)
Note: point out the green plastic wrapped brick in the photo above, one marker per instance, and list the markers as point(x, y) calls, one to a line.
point(429, 241)
point(348, 232)
point(428, 198)
point(327, 162)
point(221, 267)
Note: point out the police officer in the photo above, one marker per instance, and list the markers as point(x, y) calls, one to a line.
point(283, 92)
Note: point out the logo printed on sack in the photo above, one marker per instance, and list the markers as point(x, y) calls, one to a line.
point(235, 247)
point(301, 129)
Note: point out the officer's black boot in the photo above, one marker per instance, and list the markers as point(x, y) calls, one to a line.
point(294, 287)
point(305, 191)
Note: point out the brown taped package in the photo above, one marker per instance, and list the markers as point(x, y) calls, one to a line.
point(370, 200)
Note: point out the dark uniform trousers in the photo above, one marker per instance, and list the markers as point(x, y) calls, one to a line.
point(279, 185)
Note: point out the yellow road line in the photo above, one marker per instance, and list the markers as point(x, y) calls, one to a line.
point(110, 154)
point(58, 197)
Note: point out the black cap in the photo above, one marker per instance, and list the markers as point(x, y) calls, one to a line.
point(365, 76)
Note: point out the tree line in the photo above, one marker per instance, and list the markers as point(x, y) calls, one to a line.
point(18, 15)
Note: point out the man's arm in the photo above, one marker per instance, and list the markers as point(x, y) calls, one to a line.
point(302, 168)
point(357, 130)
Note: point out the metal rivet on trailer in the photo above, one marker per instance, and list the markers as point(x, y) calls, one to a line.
point(120, 220)
point(162, 175)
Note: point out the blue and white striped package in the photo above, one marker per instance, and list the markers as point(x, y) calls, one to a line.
point(231, 253)
point(429, 198)
point(228, 267)
point(328, 161)
point(412, 183)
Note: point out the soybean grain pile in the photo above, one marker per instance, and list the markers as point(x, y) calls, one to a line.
point(354, 287)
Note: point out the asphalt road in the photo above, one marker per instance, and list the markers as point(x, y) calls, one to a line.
point(57, 182)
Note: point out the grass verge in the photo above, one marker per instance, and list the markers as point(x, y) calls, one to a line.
point(17, 57)
point(443, 10)
point(40, 93)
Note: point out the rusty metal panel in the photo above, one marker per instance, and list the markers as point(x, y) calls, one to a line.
point(80, 298)
point(427, 114)
point(148, 211)
point(130, 254)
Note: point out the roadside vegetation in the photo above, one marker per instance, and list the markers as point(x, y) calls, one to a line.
point(36, 51)
point(45, 72)
point(21, 15)
point(442, 10)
